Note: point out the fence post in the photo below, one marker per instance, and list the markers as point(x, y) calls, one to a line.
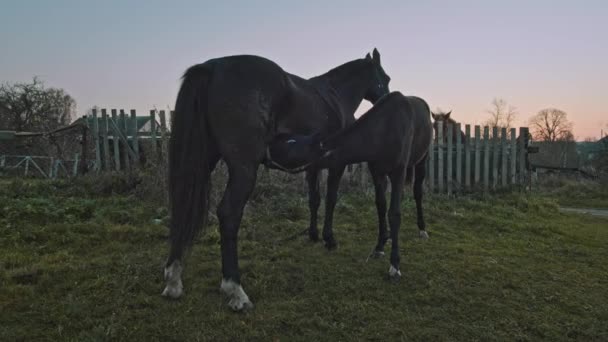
point(440, 155)
point(494, 157)
point(124, 126)
point(522, 157)
point(513, 156)
point(163, 134)
point(486, 158)
point(52, 160)
point(115, 139)
point(449, 155)
point(97, 142)
point(477, 155)
point(76, 161)
point(84, 150)
point(503, 151)
point(467, 157)
point(106, 143)
point(431, 171)
point(459, 155)
point(134, 135)
point(153, 132)
point(27, 166)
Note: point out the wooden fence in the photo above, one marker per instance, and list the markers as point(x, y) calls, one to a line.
point(497, 159)
point(487, 159)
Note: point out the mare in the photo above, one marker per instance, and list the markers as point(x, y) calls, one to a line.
point(232, 108)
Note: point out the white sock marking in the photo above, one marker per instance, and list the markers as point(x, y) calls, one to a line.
point(173, 277)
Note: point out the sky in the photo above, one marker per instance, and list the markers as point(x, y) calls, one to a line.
point(457, 55)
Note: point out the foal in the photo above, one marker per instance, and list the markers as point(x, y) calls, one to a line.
point(393, 137)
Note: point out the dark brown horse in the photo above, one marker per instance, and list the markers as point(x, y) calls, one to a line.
point(232, 108)
point(445, 119)
point(393, 137)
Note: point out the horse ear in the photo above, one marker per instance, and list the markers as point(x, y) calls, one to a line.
point(376, 56)
point(447, 115)
point(434, 115)
point(368, 57)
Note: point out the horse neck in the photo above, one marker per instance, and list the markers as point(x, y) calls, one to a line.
point(349, 85)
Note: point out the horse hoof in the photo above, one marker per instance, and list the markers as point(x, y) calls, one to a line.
point(377, 254)
point(237, 298)
point(173, 277)
point(314, 237)
point(173, 292)
point(423, 234)
point(394, 274)
point(331, 244)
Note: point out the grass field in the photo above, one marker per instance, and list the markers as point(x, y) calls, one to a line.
point(83, 264)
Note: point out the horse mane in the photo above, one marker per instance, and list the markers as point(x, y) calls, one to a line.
point(344, 70)
point(377, 109)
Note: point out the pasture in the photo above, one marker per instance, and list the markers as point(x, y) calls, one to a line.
point(83, 260)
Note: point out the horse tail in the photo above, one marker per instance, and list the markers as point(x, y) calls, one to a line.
point(189, 172)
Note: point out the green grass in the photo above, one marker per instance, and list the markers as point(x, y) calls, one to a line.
point(79, 266)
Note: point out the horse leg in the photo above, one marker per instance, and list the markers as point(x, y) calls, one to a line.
point(314, 200)
point(174, 267)
point(397, 177)
point(380, 184)
point(333, 183)
point(418, 180)
point(241, 181)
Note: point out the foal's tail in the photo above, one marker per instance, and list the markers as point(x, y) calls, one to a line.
point(189, 174)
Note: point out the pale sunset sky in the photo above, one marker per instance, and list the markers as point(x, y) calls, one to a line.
point(457, 55)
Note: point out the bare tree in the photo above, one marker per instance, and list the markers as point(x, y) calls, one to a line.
point(31, 106)
point(551, 125)
point(502, 114)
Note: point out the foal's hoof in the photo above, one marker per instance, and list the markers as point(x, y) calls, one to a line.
point(331, 244)
point(314, 237)
point(423, 234)
point(394, 274)
point(237, 298)
point(173, 292)
point(377, 254)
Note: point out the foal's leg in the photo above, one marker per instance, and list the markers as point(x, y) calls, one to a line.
point(174, 266)
point(314, 200)
point(397, 177)
point(418, 180)
point(241, 181)
point(333, 183)
point(380, 184)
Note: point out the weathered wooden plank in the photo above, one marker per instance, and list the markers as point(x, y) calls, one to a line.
point(115, 139)
point(76, 162)
point(522, 156)
point(124, 128)
point(134, 136)
point(163, 133)
point(106, 142)
point(503, 153)
point(467, 157)
point(495, 156)
point(431, 168)
point(458, 156)
point(153, 131)
point(486, 158)
point(96, 141)
point(450, 157)
point(440, 156)
point(513, 152)
point(477, 155)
